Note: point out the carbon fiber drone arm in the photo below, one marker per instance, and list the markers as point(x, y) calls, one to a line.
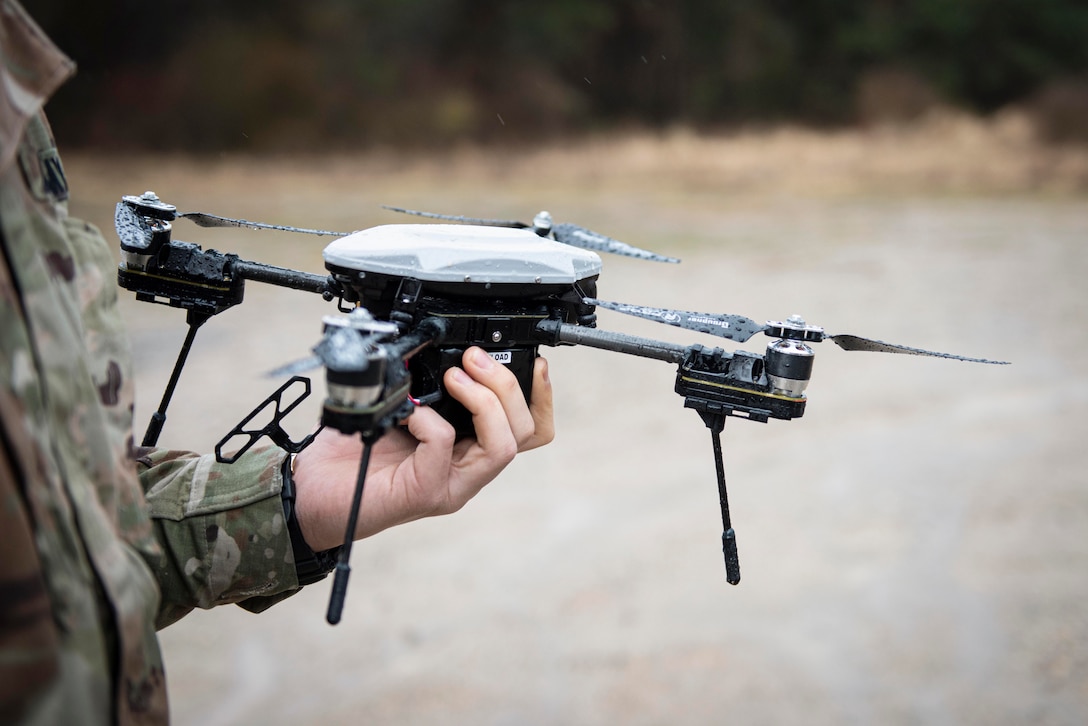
point(554, 332)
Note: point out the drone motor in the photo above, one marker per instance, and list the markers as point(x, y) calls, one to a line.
point(355, 367)
point(789, 359)
point(789, 367)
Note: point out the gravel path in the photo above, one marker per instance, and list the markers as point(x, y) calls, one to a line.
point(913, 549)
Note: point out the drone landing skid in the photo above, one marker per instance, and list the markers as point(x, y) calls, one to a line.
point(715, 421)
point(194, 319)
point(342, 571)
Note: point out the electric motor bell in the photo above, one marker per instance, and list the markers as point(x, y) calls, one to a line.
point(789, 367)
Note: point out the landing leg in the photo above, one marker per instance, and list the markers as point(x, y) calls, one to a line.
point(154, 427)
point(716, 422)
point(343, 568)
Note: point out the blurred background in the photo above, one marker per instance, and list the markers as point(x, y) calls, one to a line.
point(275, 75)
point(913, 549)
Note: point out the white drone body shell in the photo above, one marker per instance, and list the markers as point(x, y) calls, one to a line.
point(462, 253)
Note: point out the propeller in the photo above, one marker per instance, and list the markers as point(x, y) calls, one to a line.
point(349, 344)
point(568, 234)
point(203, 219)
point(740, 329)
point(134, 229)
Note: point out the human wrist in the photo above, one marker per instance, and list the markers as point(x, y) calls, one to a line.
point(310, 565)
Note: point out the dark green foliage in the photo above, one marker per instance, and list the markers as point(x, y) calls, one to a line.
point(201, 74)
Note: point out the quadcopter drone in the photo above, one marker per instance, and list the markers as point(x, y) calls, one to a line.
point(411, 298)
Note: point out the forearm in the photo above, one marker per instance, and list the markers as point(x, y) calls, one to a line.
point(221, 528)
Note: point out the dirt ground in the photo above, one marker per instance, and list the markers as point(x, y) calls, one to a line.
point(914, 549)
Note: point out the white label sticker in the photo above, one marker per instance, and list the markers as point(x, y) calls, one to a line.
point(502, 356)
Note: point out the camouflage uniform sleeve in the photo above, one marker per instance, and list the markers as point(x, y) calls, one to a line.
point(222, 529)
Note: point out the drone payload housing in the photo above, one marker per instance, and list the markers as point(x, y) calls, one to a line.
point(491, 285)
point(459, 265)
point(463, 259)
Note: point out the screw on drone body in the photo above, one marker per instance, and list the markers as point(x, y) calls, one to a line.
point(496, 336)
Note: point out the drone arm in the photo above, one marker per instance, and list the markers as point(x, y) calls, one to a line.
point(554, 332)
point(285, 277)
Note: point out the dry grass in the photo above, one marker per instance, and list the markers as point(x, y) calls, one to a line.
point(944, 153)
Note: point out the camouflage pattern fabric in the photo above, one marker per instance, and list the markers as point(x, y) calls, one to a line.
point(100, 543)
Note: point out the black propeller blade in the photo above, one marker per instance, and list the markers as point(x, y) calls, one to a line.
point(733, 327)
point(740, 329)
point(133, 229)
point(575, 236)
point(855, 342)
point(568, 234)
point(513, 224)
point(203, 219)
point(129, 223)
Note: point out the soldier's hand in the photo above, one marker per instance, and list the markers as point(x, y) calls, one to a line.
point(423, 472)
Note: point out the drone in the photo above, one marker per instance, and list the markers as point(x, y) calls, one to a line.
point(411, 298)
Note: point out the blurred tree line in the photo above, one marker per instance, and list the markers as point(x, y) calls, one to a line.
point(286, 75)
